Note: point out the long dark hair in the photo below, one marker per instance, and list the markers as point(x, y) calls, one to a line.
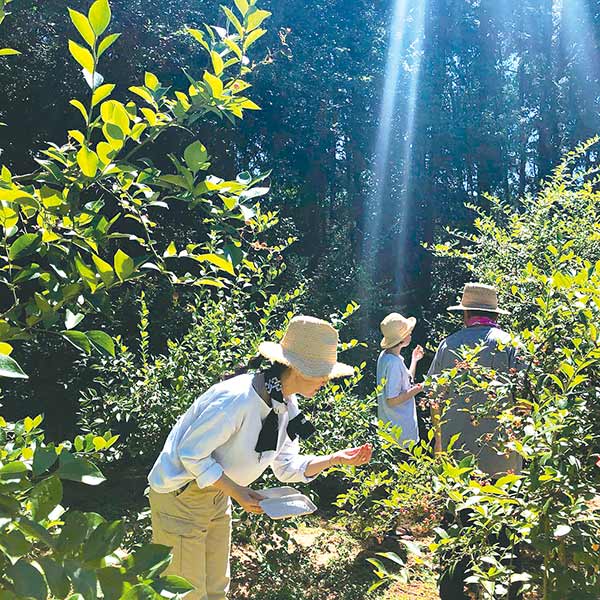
point(256, 363)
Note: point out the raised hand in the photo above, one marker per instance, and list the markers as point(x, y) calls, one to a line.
point(418, 353)
point(353, 456)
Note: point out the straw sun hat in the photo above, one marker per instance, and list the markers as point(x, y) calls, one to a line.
point(310, 346)
point(480, 297)
point(395, 328)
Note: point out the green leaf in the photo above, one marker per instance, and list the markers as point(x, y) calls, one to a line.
point(253, 36)
point(15, 543)
point(79, 106)
point(77, 528)
point(175, 584)
point(242, 6)
point(79, 469)
point(102, 342)
point(88, 161)
point(24, 245)
point(151, 81)
point(35, 530)
point(9, 52)
point(233, 20)
point(79, 340)
point(56, 577)
point(115, 113)
point(256, 18)
point(88, 275)
point(195, 156)
point(141, 591)
point(9, 507)
point(107, 42)
point(142, 93)
point(99, 16)
point(82, 56)
point(83, 26)
point(104, 540)
point(106, 272)
point(43, 459)
point(170, 251)
point(214, 83)
point(150, 560)
point(124, 265)
point(102, 92)
point(28, 581)
point(217, 62)
point(10, 368)
point(44, 497)
point(219, 261)
point(111, 581)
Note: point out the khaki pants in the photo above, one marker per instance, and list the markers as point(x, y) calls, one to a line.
point(196, 523)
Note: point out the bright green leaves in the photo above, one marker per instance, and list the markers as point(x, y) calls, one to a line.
point(217, 62)
point(252, 37)
point(82, 56)
point(24, 245)
point(219, 261)
point(78, 469)
point(44, 497)
point(115, 116)
point(256, 17)
point(79, 106)
point(88, 161)
point(195, 156)
point(83, 27)
point(214, 83)
point(102, 92)
point(124, 265)
point(151, 81)
point(99, 16)
point(105, 271)
point(107, 42)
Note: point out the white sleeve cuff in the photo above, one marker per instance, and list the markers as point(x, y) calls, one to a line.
point(210, 475)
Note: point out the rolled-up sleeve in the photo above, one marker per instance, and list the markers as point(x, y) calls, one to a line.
point(211, 429)
point(289, 465)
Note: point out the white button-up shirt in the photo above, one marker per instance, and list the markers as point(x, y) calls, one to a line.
point(218, 434)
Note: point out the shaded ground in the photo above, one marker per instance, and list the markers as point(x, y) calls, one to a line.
point(306, 559)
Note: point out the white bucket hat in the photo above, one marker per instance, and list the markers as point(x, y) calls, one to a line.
point(310, 346)
point(479, 296)
point(395, 328)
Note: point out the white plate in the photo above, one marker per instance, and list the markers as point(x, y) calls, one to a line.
point(285, 502)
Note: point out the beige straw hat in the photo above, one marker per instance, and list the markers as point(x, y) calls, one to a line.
point(310, 346)
point(395, 328)
point(478, 296)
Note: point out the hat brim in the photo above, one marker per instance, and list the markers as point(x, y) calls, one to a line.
point(460, 307)
point(391, 342)
point(311, 368)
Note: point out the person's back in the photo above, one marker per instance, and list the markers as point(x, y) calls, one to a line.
point(496, 353)
point(392, 369)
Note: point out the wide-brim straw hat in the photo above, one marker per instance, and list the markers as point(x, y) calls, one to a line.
point(395, 328)
point(481, 297)
point(310, 346)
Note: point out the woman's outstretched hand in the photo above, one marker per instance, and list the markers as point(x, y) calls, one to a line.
point(353, 456)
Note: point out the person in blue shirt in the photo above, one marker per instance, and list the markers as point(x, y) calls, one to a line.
point(396, 397)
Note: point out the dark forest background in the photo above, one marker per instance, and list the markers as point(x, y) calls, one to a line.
point(501, 91)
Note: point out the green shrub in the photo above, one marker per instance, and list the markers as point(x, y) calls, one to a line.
point(544, 257)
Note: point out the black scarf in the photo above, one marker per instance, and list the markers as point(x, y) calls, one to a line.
point(299, 426)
